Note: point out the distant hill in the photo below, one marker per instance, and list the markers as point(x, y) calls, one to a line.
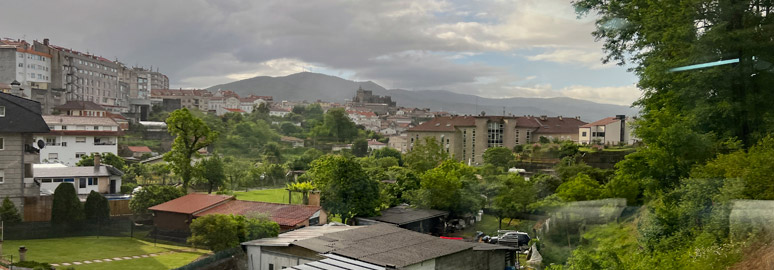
point(313, 86)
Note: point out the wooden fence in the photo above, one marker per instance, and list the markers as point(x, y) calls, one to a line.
point(38, 208)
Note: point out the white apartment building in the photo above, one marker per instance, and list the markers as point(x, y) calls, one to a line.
point(31, 68)
point(609, 131)
point(72, 137)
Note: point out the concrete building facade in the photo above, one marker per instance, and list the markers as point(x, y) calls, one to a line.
point(466, 138)
point(72, 137)
point(20, 118)
point(609, 131)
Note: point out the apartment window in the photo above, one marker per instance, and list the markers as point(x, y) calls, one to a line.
point(51, 140)
point(96, 127)
point(82, 183)
point(64, 127)
point(2, 144)
point(517, 136)
point(79, 155)
point(584, 134)
point(28, 172)
point(93, 181)
point(494, 134)
point(271, 266)
point(2, 111)
point(80, 139)
point(21, 65)
point(53, 156)
point(2, 176)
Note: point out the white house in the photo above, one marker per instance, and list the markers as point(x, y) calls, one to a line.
point(375, 145)
point(281, 112)
point(100, 178)
point(610, 131)
point(72, 137)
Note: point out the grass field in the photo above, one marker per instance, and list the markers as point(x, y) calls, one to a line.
point(72, 249)
point(278, 195)
point(170, 261)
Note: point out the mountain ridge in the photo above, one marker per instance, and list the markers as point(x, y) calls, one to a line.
point(315, 86)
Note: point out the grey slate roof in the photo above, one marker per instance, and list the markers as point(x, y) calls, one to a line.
point(285, 239)
point(79, 105)
point(335, 262)
point(89, 171)
point(403, 214)
point(21, 115)
point(385, 244)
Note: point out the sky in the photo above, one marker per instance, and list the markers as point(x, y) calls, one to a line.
point(496, 49)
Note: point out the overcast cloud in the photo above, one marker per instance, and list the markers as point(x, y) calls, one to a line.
point(535, 48)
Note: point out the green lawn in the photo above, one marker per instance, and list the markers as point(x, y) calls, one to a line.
point(279, 195)
point(71, 249)
point(168, 261)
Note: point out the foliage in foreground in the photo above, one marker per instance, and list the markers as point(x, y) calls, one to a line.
point(149, 196)
point(8, 212)
point(218, 232)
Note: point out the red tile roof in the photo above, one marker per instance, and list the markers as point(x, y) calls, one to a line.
point(375, 142)
point(140, 149)
point(234, 110)
point(191, 203)
point(602, 122)
point(283, 214)
point(556, 125)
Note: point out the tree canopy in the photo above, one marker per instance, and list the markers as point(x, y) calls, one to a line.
point(346, 190)
point(191, 134)
point(425, 154)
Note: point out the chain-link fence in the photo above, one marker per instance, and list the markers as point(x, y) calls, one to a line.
point(219, 260)
point(119, 226)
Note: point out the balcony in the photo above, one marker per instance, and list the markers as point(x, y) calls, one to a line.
point(104, 143)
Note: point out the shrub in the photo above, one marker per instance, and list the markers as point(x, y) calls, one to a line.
point(149, 196)
point(67, 207)
point(127, 188)
point(8, 212)
point(33, 264)
point(219, 232)
point(96, 207)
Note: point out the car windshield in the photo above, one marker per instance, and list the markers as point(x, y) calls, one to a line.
point(404, 134)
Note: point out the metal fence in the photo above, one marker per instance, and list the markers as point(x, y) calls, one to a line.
point(119, 226)
point(216, 258)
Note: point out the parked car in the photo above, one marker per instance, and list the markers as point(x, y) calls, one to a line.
point(511, 238)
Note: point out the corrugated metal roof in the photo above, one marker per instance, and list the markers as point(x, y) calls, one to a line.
point(384, 244)
point(285, 239)
point(403, 214)
point(335, 262)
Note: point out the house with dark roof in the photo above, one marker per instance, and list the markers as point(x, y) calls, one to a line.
point(19, 119)
point(177, 214)
point(609, 131)
point(467, 137)
point(383, 245)
point(428, 221)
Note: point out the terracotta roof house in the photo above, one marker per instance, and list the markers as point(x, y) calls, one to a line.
point(384, 245)
point(177, 214)
point(138, 151)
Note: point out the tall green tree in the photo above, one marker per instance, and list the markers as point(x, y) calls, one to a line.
point(499, 156)
point(580, 188)
point(211, 172)
point(8, 212)
point(96, 208)
point(346, 190)
point(360, 147)
point(66, 208)
point(105, 158)
point(514, 196)
point(452, 186)
point(336, 126)
point(191, 134)
point(425, 154)
point(388, 152)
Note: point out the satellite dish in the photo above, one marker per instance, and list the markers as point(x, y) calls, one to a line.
point(41, 144)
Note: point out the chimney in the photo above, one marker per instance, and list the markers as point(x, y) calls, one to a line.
point(16, 89)
point(560, 118)
point(314, 198)
point(543, 117)
point(45, 41)
point(97, 161)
